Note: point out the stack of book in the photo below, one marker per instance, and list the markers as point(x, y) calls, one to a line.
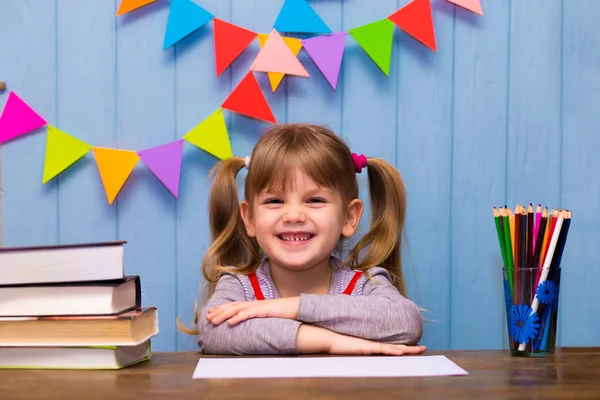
point(72, 307)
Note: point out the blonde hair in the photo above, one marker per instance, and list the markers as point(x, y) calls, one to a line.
point(327, 160)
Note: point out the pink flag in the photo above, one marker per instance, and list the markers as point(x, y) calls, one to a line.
point(276, 56)
point(18, 118)
point(165, 163)
point(327, 51)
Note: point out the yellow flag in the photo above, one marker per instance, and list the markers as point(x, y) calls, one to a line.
point(62, 150)
point(114, 166)
point(211, 136)
point(295, 46)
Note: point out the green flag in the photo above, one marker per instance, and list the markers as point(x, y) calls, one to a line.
point(211, 136)
point(62, 150)
point(376, 39)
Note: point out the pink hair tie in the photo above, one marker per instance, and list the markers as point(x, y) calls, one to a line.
point(360, 162)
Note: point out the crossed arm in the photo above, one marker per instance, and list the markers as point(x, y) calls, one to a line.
point(379, 322)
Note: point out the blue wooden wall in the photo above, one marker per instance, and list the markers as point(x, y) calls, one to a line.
point(507, 111)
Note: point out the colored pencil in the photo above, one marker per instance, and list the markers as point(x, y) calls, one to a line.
point(500, 232)
point(536, 229)
point(530, 233)
point(511, 219)
point(532, 244)
point(545, 268)
point(539, 239)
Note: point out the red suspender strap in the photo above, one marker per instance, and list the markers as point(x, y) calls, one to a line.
point(352, 283)
point(254, 281)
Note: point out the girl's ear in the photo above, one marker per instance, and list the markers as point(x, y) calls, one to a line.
point(246, 216)
point(353, 215)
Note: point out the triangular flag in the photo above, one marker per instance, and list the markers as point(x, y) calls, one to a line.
point(247, 99)
point(165, 163)
point(211, 136)
point(230, 41)
point(276, 56)
point(114, 166)
point(62, 151)
point(471, 5)
point(415, 19)
point(376, 39)
point(185, 17)
point(295, 46)
point(130, 5)
point(18, 118)
point(327, 51)
point(298, 16)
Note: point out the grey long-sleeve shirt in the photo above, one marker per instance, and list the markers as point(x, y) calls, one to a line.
point(375, 310)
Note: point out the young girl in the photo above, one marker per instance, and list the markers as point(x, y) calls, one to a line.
point(275, 286)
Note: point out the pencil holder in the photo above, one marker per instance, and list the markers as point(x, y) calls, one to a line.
point(531, 298)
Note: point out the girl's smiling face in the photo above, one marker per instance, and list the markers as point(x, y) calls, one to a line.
point(298, 228)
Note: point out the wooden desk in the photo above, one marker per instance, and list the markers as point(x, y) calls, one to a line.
point(572, 373)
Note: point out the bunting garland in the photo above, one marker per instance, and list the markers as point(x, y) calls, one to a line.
point(277, 57)
point(114, 165)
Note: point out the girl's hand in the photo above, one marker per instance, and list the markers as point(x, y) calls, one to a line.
point(343, 344)
point(236, 312)
point(314, 339)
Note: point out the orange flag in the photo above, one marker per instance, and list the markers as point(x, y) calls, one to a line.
point(130, 5)
point(114, 166)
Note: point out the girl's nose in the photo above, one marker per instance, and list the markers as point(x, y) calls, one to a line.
point(294, 215)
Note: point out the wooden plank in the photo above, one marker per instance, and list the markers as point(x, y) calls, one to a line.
point(28, 51)
point(145, 118)
point(534, 103)
point(87, 111)
point(198, 93)
point(579, 182)
point(368, 96)
point(478, 176)
point(424, 143)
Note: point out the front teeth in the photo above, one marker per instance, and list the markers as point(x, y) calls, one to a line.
point(295, 238)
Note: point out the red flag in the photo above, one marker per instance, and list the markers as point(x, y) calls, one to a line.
point(416, 19)
point(230, 42)
point(247, 99)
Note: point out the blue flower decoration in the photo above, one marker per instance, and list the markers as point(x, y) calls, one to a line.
point(546, 292)
point(523, 324)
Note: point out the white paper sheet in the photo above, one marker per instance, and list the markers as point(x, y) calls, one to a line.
point(315, 367)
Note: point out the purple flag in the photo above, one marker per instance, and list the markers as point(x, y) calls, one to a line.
point(165, 163)
point(327, 52)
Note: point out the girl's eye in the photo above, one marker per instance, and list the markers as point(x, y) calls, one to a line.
point(273, 201)
point(316, 200)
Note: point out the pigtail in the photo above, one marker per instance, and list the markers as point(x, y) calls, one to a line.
point(383, 240)
point(231, 246)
